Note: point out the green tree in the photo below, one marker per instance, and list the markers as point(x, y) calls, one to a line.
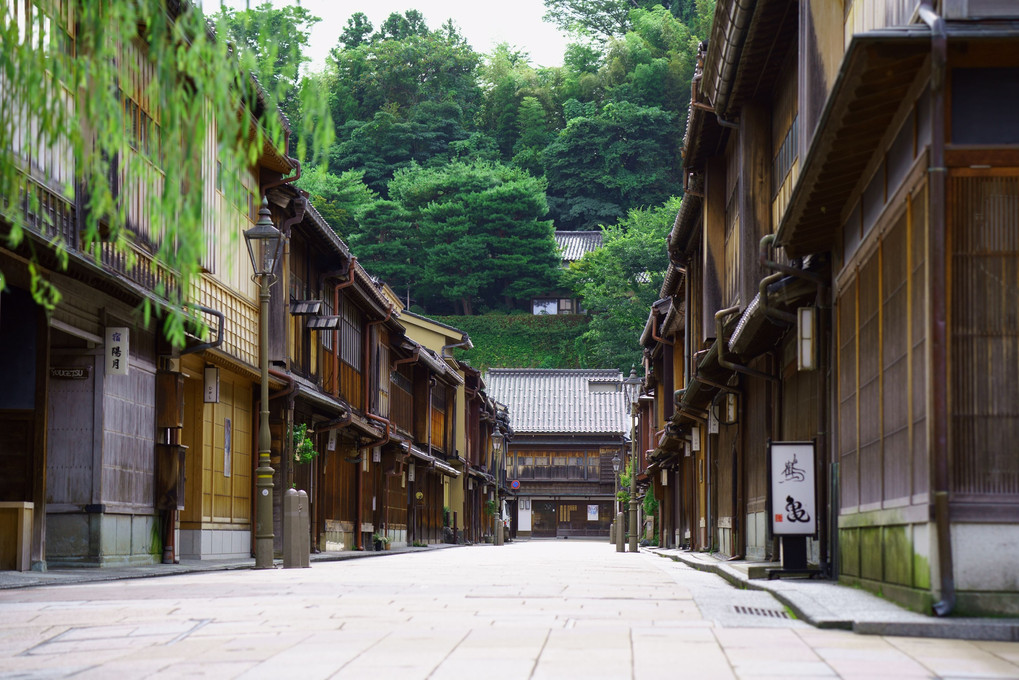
point(619, 282)
point(400, 66)
point(479, 228)
point(389, 241)
point(278, 39)
point(601, 166)
point(534, 135)
point(199, 79)
point(603, 20)
point(340, 199)
point(356, 32)
point(387, 143)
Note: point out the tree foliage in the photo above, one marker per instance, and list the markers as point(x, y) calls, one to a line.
point(340, 199)
point(278, 39)
point(602, 20)
point(86, 150)
point(400, 66)
point(603, 165)
point(621, 280)
point(478, 228)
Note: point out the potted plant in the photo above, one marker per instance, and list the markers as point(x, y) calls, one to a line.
point(304, 446)
point(380, 541)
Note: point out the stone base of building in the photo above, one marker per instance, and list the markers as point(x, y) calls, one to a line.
point(213, 544)
point(102, 540)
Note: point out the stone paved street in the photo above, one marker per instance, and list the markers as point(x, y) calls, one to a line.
point(539, 609)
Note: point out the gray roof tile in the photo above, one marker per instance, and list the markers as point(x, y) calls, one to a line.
point(560, 400)
point(573, 244)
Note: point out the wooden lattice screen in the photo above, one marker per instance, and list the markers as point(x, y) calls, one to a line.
point(984, 323)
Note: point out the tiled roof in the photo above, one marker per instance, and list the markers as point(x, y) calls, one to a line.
point(559, 400)
point(574, 244)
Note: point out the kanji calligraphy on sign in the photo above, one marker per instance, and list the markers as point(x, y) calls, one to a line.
point(117, 350)
point(793, 501)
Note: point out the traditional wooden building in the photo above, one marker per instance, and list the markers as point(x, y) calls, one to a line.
point(844, 247)
point(572, 246)
point(102, 421)
point(567, 426)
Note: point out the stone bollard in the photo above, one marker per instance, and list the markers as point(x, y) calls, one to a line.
point(304, 527)
point(612, 532)
point(620, 533)
point(291, 530)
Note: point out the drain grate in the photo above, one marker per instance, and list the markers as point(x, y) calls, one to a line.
point(758, 611)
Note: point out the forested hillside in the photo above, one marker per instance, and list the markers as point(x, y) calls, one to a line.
point(449, 170)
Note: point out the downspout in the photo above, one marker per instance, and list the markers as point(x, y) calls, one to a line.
point(773, 313)
point(413, 358)
point(688, 411)
point(939, 307)
point(219, 333)
point(300, 205)
point(284, 180)
point(723, 348)
point(447, 350)
point(766, 244)
point(658, 338)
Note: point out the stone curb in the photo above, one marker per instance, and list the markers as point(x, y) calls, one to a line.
point(792, 595)
point(78, 575)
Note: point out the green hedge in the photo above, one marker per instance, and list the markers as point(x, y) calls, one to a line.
point(522, 340)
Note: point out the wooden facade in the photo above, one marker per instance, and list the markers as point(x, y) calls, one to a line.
point(867, 170)
point(105, 455)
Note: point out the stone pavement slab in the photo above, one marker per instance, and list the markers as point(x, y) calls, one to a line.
point(826, 604)
point(526, 610)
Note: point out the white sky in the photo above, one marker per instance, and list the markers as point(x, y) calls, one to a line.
point(484, 23)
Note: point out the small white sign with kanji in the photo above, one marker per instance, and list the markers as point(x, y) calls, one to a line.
point(118, 349)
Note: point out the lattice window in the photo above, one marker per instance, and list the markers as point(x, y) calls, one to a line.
point(882, 366)
point(732, 226)
point(384, 377)
point(350, 334)
point(787, 154)
point(984, 326)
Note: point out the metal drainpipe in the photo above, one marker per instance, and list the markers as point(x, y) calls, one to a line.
point(219, 334)
point(656, 337)
point(769, 311)
point(723, 348)
point(284, 180)
point(939, 307)
point(465, 342)
point(765, 245)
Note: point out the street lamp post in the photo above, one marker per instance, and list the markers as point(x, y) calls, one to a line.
point(616, 461)
point(632, 386)
point(264, 244)
point(499, 441)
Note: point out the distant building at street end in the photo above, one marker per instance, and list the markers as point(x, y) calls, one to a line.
point(568, 424)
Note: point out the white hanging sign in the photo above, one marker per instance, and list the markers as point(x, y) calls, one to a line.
point(793, 502)
point(695, 438)
point(211, 385)
point(118, 349)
